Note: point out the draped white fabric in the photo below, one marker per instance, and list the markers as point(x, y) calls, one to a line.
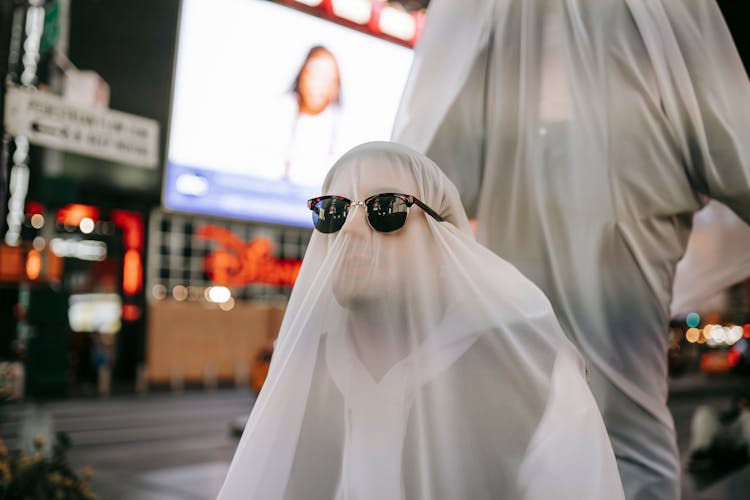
point(583, 135)
point(418, 365)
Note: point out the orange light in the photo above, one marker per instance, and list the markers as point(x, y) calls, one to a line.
point(132, 272)
point(131, 312)
point(33, 264)
point(692, 335)
point(746, 331)
point(73, 213)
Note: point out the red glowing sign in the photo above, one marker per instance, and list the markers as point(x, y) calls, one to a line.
point(131, 224)
point(236, 263)
point(132, 228)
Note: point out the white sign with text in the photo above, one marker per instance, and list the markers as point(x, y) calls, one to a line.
point(48, 120)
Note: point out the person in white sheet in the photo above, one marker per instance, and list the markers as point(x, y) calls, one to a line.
point(582, 136)
point(413, 363)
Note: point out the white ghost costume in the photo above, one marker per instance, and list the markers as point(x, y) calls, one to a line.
point(417, 365)
point(583, 135)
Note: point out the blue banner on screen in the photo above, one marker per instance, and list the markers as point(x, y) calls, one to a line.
point(237, 195)
point(265, 99)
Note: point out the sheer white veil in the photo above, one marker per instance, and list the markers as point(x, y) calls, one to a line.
point(583, 135)
point(418, 365)
point(578, 62)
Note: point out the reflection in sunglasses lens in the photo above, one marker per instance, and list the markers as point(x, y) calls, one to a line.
point(387, 213)
point(329, 215)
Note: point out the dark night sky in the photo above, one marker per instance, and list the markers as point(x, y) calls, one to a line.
point(739, 25)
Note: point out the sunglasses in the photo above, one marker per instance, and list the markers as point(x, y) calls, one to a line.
point(386, 212)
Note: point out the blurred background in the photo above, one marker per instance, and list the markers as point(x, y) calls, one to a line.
point(150, 233)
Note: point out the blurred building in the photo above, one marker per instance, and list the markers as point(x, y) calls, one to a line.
point(104, 276)
point(83, 137)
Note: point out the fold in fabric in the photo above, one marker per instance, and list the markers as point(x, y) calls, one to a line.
point(417, 364)
point(583, 136)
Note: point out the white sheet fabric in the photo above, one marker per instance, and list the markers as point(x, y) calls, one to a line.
point(418, 365)
point(583, 135)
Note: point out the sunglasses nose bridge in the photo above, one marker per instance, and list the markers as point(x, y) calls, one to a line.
point(356, 220)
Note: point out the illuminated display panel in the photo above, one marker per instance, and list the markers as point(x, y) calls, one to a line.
point(242, 143)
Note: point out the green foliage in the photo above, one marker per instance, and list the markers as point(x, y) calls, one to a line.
point(36, 477)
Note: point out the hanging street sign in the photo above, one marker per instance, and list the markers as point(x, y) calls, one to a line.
point(46, 119)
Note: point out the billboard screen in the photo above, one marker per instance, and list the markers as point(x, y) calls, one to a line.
point(265, 99)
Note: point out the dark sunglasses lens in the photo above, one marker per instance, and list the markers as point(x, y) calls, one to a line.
point(387, 213)
point(329, 214)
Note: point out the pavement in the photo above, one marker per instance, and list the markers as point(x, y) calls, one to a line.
point(156, 447)
point(692, 385)
point(170, 446)
point(685, 394)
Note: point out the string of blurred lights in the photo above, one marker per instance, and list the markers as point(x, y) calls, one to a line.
point(712, 334)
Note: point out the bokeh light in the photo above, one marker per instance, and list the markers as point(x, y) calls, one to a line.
point(218, 294)
point(159, 292)
point(693, 319)
point(39, 243)
point(718, 334)
point(734, 333)
point(708, 331)
point(37, 221)
point(228, 305)
point(86, 225)
point(692, 335)
point(180, 293)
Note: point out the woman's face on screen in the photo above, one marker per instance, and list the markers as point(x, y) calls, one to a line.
point(318, 82)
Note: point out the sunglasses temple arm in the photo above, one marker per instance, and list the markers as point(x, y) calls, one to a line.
point(428, 210)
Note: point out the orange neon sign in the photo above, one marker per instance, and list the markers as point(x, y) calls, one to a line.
point(236, 263)
point(132, 272)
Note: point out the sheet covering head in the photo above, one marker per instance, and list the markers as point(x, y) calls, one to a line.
point(417, 364)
